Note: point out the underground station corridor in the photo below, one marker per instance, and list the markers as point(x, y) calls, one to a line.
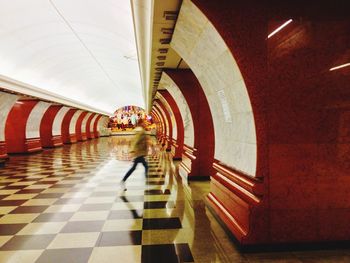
point(66, 205)
point(174, 131)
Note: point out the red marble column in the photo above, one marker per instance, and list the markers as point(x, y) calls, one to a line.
point(81, 135)
point(15, 130)
point(299, 192)
point(169, 137)
point(179, 143)
point(46, 136)
point(89, 134)
point(68, 138)
point(96, 133)
point(198, 161)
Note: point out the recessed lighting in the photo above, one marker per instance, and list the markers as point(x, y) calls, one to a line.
point(340, 66)
point(279, 28)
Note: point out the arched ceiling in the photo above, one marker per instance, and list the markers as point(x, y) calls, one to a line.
point(154, 24)
point(83, 49)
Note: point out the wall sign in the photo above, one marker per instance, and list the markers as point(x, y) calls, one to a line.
point(224, 105)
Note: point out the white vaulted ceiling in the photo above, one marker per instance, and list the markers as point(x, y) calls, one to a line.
point(81, 49)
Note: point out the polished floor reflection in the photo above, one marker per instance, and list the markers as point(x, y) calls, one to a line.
point(65, 205)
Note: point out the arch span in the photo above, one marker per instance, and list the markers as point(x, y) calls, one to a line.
point(169, 127)
point(164, 129)
point(65, 128)
point(178, 138)
point(80, 126)
point(88, 129)
point(46, 128)
point(15, 130)
point(208, 36)
point(197, 160)
point(33, 139)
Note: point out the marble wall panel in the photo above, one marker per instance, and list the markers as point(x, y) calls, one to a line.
point(34, 119)
point(73, 121)
point(175, 92)
point(201, 46)
point(6, 102)
point(57, 123)
point(92, 123)
point(83, 124)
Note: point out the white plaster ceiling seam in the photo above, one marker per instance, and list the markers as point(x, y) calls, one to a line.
point(81, 49)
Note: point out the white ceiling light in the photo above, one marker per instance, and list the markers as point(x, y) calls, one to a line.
point(77, 49)
point(340, 66)
point(280, 28)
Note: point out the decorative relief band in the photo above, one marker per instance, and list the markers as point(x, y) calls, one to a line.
point(33, 145)
point(251, 184)
point(214, 201)
point(236, 189)
point(189, 152)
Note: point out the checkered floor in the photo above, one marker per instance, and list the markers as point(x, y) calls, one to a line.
point(65, 205)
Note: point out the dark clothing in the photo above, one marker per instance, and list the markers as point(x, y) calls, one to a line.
point(137, 160)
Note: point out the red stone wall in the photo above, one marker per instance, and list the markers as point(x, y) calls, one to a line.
point(15, 130)
point(80, 135)
point(96, 133)
point(89, 134)
point(301, 116)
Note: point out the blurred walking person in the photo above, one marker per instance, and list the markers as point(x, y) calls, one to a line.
point(139, 148)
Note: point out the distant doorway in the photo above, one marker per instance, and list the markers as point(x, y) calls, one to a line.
point(127, 118)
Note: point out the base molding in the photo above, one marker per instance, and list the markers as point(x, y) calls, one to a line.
point(198, 178)
point(83, 137)
point(188, 166)
point(176, 150)
point(55, 141)
point(278, 247)
point(33, 145)
point(3, 151)
point(72, 139)
point(237, 200)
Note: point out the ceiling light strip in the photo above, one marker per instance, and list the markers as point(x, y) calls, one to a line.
point(340, 66)
point(280, 28)
point(84, 45)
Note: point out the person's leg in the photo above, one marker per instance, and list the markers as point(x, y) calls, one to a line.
point(136, 161)
point(145, 164)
